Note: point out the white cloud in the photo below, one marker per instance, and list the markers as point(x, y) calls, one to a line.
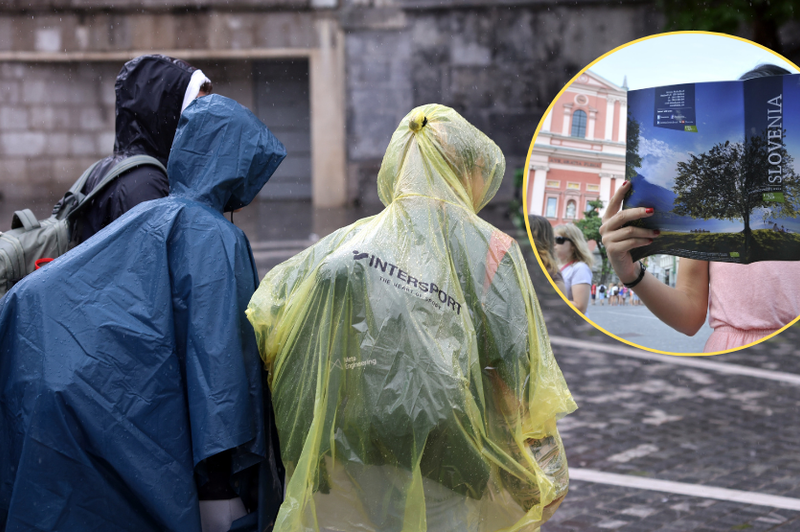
point(654, 147)
point(659, 161)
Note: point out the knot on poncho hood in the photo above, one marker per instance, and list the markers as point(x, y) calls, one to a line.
point(435, 152)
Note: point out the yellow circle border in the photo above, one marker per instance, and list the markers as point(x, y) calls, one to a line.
point(526, 172)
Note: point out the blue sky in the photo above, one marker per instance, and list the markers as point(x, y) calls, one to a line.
point(661, 148)
point(684, 58)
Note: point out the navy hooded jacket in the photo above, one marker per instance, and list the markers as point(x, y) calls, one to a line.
point(149, 92)
point(128, 361)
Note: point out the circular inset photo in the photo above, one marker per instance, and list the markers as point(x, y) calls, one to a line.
point(662, 193)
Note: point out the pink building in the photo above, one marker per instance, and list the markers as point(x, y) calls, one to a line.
point(579, 154)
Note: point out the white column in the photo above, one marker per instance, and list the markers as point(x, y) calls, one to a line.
point(623, 120)
point(536, 201)
point(590, 124)
point(609, 117)
point(605, 191)
point(328, 118)
point(565, 129)
point(548, 119)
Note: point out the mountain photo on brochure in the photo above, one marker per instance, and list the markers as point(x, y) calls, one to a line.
point(716, 162)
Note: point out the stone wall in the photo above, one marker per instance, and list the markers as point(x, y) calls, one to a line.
point(498, 63)
point(93, 31)
point(499, 66)
point(57, 114)
point(55, 120)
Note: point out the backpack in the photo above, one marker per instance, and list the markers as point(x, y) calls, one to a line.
point(30, 239)
point(602, 289)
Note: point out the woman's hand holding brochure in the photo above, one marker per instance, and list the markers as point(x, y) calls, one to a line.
point(620, 239)
point(684, 307)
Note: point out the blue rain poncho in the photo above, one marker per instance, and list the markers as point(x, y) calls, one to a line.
point(128, 361)
point(412, 377)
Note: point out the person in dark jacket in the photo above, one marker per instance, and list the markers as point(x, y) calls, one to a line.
point(151, 92)
point(128, 363)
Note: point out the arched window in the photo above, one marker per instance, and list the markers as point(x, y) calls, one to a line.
point(570, 214)
point(579, 124)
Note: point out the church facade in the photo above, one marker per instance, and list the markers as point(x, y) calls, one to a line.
point(579, 153)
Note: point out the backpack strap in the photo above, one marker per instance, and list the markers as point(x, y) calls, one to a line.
point(73, 196)
point(24, 218)
point(120, 168)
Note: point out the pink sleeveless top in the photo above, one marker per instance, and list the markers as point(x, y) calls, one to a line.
point(747, 302)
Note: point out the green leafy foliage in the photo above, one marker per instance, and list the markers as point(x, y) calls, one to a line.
point(590, 227)
point(711, 185)
point(515, 205)
point(760, 19)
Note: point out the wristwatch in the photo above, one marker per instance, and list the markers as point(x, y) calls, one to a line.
point(639, 278)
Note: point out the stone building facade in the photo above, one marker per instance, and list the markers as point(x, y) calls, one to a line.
point(579, 153)
point(332, 77)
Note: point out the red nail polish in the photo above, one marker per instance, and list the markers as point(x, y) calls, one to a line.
point(657, 232)
point(649, 210)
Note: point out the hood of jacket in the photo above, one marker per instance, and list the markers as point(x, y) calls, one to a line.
point(435, 152)
point(150, 91)
point(222, 154)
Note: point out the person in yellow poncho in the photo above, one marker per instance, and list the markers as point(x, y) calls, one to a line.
point(412, 377)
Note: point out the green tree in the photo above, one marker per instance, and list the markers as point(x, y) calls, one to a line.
point(727, 182)
point(760, 19)
point(515, 205)
point(632, 158)
point(590, 227)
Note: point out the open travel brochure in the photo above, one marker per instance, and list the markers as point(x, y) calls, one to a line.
point(717, 163)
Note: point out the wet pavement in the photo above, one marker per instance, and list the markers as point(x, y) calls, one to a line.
point(639, 326)
point(659, 443)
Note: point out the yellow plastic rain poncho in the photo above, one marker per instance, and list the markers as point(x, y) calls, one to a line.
point(412, 377)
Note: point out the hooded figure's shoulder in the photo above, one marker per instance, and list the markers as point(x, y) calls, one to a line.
point(327, 254)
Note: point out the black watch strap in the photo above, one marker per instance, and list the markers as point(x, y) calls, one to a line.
point(642, 271)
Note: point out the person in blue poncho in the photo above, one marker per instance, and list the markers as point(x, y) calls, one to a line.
point(127, 364)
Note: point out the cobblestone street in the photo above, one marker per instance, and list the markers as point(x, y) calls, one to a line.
point(638, 325)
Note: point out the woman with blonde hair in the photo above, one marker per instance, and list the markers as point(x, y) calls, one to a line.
point(573, 254)
point(544, 240)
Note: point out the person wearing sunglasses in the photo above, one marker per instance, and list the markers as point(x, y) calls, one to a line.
point(575, 261)
point(544, 240)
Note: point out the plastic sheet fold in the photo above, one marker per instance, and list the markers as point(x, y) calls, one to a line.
point(412, 377)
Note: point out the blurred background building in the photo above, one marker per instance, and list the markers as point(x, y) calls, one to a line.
point(332, 78)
